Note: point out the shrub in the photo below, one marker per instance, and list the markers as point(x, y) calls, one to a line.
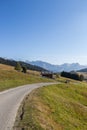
point(81, 77)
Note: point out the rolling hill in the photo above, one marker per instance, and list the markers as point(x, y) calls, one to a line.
point(56, 107)
point(13, 63)
point(10, 78)
point(83, 70)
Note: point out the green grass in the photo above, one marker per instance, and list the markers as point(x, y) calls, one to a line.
point(11, 78)
point(56, 107)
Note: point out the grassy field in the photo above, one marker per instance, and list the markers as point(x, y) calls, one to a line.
point(84, 74)
point(10, 78)
point(56, 107)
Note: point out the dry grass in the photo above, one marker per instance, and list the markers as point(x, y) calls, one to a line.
point(84, 74)
point(37, 73)
point(6, 67)
point(10, 78)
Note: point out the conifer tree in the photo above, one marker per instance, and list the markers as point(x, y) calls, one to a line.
point(18, 67)
point(24, 69)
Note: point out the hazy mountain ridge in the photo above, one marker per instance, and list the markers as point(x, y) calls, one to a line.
point(12, 62)
point(83, 70)
point(44, 66)
point(58, 68)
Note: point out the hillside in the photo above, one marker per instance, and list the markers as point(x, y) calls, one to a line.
point(83, 70)
point(10, 78)
point(58, 68)
point(56, 107)
point(13, 63)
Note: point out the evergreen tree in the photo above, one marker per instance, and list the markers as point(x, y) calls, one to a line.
point(24, 69)
point(18, 67)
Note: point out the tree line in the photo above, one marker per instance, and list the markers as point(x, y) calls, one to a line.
point(71, 75)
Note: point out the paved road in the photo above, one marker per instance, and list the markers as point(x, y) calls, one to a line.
point(10, 101)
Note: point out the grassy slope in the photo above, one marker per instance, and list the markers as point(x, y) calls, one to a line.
point(57, 107)
point(10, 78)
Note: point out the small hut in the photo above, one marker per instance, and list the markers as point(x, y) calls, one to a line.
point(47, 74)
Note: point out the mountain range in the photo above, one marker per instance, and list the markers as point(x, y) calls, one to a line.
point(58, 68)
point(12, 62)
point(44, 66)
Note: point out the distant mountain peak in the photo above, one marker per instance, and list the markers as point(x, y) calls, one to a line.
point(58, 68)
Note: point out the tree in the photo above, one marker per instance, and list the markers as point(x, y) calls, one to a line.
point(18, 67)
point(81, 77)
point(24, 69)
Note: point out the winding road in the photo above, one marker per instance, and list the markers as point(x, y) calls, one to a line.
point(10, 101)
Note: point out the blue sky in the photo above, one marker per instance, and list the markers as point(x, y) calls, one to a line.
point(50, 30)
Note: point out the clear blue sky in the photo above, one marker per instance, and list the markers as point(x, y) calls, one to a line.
point(50, 30)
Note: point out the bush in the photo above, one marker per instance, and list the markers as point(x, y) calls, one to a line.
point(81, 77)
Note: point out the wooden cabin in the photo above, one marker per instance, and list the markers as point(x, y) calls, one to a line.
point(47, 74)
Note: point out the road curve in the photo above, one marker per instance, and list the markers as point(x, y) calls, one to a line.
point(10, 101)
